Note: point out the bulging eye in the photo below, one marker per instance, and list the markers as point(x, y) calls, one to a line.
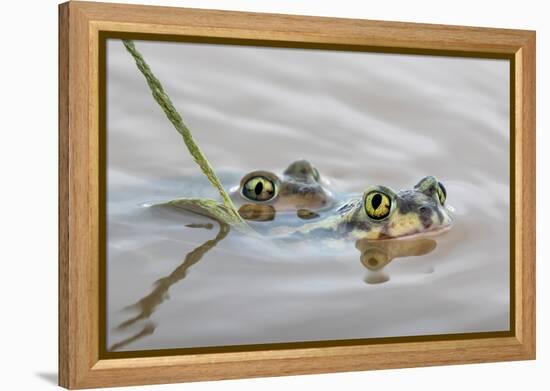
point(259, 188)
point(441, 193)
point(316, 174)
point(377, 205)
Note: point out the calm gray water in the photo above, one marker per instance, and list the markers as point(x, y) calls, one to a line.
point(362, 119)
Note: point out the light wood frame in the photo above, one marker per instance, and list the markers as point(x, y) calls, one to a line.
point(80, 165)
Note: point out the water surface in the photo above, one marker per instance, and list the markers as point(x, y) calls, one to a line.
point(362, 119)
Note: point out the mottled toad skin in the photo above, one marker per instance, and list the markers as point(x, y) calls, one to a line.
point(418, 211)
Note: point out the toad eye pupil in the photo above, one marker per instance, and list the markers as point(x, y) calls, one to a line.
point(377, 205)
point(376, 201)
point(259, 188)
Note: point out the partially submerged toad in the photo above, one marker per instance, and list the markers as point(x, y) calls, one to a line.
point(300, 189)
point(381, 213)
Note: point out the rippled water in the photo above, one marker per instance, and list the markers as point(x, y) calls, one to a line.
point(362, 119)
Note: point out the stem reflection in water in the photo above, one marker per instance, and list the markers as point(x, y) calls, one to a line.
point(148, 304)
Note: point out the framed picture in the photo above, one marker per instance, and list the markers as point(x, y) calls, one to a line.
point(248, 195)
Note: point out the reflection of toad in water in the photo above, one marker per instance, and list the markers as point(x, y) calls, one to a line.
point(376, 254)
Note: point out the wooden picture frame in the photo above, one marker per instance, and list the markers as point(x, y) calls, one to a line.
point(82, 26)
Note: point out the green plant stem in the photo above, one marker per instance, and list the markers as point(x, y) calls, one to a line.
point(175, 118)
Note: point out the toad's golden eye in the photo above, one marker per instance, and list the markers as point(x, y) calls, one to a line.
point(259, 188)
point(377, 205)
point(441, 193)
